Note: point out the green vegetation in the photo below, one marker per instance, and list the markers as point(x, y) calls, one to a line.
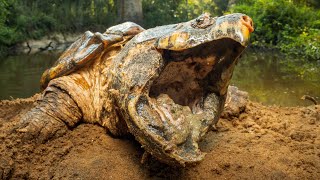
point(292, 26)
point(173, 11)
point(33, 19)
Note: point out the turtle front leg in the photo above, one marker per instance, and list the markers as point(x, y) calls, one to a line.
point(51, 117)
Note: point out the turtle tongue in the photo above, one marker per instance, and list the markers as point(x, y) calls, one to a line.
point(173, 130)
point(183, 122)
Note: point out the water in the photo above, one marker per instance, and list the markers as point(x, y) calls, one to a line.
point(20, 75)
point(273, 79)
point(267, 76)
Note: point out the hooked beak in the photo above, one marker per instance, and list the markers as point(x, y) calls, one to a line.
point(247, 27)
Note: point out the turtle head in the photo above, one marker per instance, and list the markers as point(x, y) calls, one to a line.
point(215, 41)
point(173, 82)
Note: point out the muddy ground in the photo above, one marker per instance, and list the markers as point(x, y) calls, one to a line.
point(262, 143)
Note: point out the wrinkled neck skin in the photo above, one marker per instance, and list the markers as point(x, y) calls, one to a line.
point(170, 99)
point(88, 87)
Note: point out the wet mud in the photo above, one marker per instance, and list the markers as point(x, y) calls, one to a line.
point(259, 142)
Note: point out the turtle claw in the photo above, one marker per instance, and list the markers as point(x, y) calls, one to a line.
point(51, 117)
point(145, 157)
point(40, 127)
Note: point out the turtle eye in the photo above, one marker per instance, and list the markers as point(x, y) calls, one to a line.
point(203, 21)
point(199, 20)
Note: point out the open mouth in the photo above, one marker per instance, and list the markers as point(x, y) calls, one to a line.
point(186, 99)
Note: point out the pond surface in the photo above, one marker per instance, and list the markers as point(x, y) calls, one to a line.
point(267, 76)
point(20, 75)
point(273, 79)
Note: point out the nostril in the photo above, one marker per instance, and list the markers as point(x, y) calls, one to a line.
point(245, 18)
point(247, 21)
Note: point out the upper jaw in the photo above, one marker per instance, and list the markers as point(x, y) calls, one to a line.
point(233, 26)
point(193, 33)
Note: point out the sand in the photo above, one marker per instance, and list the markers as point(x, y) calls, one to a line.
point(262, 142)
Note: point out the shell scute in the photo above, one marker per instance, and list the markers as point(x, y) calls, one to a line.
point(87, 48)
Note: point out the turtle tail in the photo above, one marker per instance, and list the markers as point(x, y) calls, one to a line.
point(51, 117)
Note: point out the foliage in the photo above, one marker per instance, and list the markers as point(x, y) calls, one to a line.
point(292, 28)
point(6, 32)
point(173, 11)
point(161, 12)
point(33, 19)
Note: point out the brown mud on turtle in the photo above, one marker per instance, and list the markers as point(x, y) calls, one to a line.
point(166, 85)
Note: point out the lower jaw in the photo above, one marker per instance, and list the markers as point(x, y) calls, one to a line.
point(172, 131)
point(182, 121)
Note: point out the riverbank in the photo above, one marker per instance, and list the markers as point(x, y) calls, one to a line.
point(52, 42)
point(263, 142)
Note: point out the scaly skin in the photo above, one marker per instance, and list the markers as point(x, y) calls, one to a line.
point(53, 114)
point(84, 92)
point(87, 89)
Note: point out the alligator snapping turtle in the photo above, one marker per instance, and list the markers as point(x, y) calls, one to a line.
point(167, 86)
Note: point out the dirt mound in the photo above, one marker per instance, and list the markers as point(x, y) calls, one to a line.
point(259, 143)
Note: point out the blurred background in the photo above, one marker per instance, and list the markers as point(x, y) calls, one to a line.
point(281, 64)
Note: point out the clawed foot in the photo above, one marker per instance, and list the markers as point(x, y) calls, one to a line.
point(39, 126)
point(51, 117)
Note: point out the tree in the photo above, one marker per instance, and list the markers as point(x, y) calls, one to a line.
point(130, 10)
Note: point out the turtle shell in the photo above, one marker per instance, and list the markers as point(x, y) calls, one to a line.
point(86, 48)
